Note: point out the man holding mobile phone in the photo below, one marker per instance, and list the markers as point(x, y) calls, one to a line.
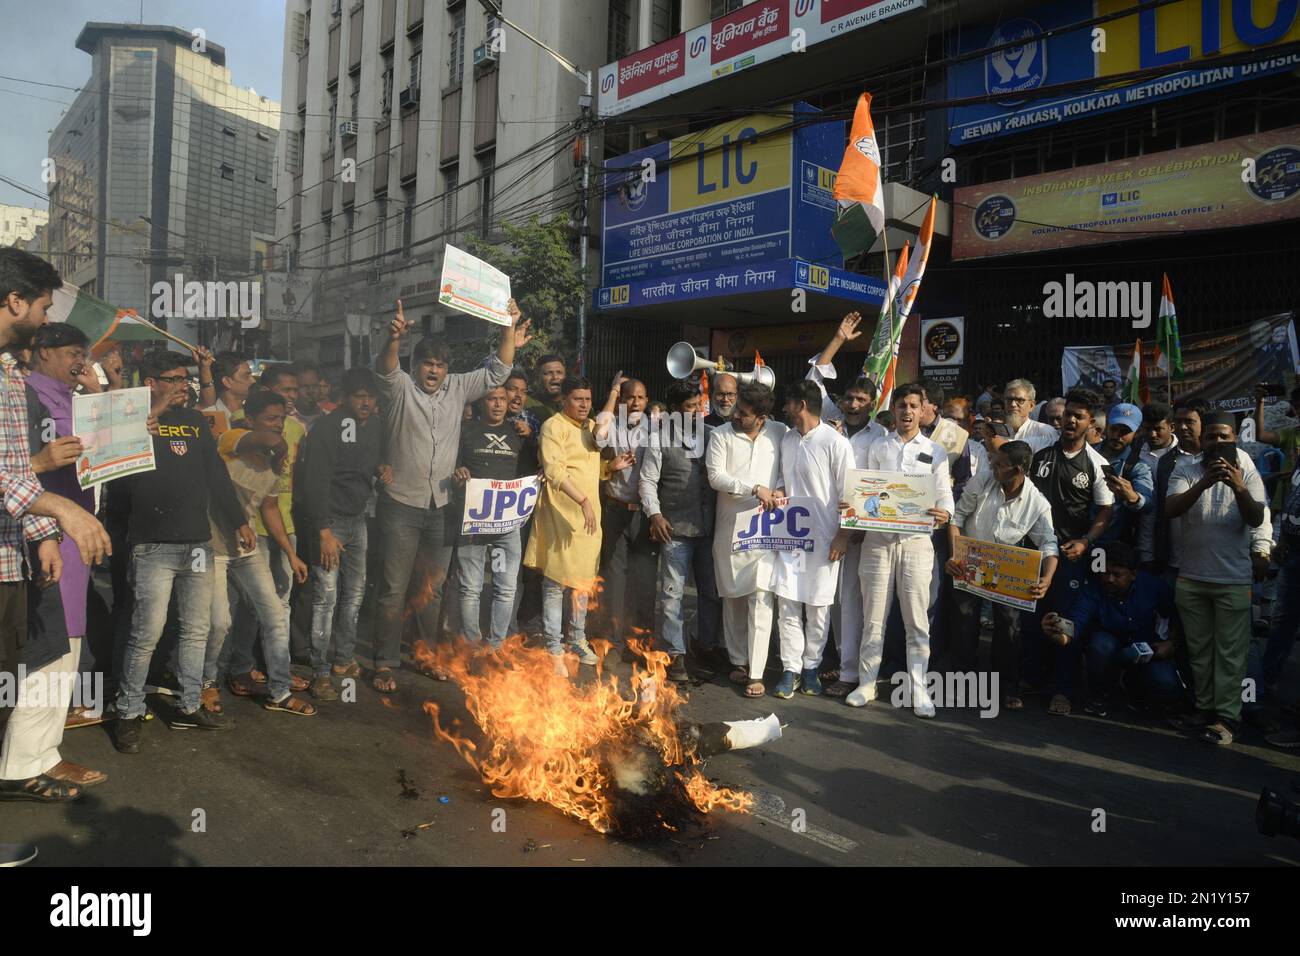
point(1220, 497)
point(1127, 476)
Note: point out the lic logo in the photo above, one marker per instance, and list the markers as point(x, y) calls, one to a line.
point(802, 7)
point(607, 83)
point(698, 46)
point(1019, 67)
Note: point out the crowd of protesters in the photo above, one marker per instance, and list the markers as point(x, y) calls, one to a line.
point(247, 550)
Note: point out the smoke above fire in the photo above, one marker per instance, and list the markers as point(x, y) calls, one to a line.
point(621, 759)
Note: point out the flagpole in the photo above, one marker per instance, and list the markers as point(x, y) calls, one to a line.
point(888, 316)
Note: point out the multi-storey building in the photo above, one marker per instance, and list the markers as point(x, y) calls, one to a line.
point(162, 167)
point(18, 224)
point(411, 123)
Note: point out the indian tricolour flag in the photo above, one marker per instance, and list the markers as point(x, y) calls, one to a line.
point(1169, 349)
point(99, 320)
point(882, 356)
point(1135, 389)
point(904, 298)
point(859, 190)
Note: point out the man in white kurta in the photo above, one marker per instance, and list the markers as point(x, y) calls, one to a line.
point(849, 598)
point(744, 467)
point(814, 460)
point(902, 564)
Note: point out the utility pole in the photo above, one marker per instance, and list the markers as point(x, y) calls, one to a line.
point(493, 8)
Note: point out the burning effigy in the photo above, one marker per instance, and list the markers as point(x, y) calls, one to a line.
point(625, 764)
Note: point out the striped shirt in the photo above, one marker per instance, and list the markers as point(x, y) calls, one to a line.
point(18, 483)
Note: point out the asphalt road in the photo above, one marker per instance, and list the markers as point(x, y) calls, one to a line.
point(877, 786)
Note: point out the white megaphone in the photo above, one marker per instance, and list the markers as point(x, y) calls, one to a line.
point(761, 374)
point(683, 361)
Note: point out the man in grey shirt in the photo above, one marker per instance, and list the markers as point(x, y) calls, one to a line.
point(1219, 496)
point(422, 434)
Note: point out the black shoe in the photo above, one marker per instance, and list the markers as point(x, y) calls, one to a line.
point(677, 669)
point(127, 734)
point(1095, 707)
point(202, 719)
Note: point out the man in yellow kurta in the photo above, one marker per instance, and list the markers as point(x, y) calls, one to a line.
point(565, 542)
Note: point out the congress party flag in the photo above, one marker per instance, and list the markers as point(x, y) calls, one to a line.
point(859, 190)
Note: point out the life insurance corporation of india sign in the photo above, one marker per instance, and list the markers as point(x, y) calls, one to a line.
point(757, 33)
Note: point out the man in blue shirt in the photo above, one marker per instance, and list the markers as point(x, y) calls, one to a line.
point(1129, 478)
point(1121, 616)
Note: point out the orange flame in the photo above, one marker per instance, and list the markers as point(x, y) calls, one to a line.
point(548, 739)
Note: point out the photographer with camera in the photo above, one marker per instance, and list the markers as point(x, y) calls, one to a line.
point(1220, 497)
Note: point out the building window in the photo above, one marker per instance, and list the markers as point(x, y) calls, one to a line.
point(449, 187)
point(408, 219)
point(328, 226)
point(228, 131)
point(334, 120)
point(665, 19)
point(227, 171)
point(381, 226)
point(413, 73)
point(619, 42)
point(485, 194)
point(456, 47)
point(386, 86)
point(347, 235)
point(720, 8)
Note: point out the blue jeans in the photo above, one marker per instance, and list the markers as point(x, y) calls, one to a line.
point(501, 553)
point(1067, 584)
point(325, 596)
point(247, 581)
point(1155, 682)
point(553, 615)
point(155, 570)
point(239, 647)
point(415, 541)
point(1286, 620)
point(676, 558)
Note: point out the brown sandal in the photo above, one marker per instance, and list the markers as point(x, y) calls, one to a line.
point(353, 670)
point(755, 688)
point(839, 689)
point(739, 675)
point(384, 676)
point(210, 700)
point(42, 788)
point(296, 684)
point(291, 705)
point(76, 774)
point(243, 685)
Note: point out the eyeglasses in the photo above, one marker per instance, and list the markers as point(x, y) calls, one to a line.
point(1016, 401)
point(173, 379)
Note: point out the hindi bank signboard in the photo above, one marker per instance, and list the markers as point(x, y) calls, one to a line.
point(1234, 182)
point(747, 191)
point(756, 33)
point(1023, 61)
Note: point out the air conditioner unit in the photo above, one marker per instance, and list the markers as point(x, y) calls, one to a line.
point(348, 128)
point(484, 54)
point(409, 96)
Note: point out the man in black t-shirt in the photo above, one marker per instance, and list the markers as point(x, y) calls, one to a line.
point(491, 448)
point(1069, 474)
point(166, 513)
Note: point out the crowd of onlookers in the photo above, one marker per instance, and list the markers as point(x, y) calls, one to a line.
point(281, 503)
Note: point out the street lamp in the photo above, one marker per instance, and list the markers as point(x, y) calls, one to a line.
point(493, 8)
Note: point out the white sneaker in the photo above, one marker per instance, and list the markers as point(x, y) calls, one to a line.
point(585, 654)
point(864, 695)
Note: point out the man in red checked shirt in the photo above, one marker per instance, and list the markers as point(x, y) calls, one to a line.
point(31, 514)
